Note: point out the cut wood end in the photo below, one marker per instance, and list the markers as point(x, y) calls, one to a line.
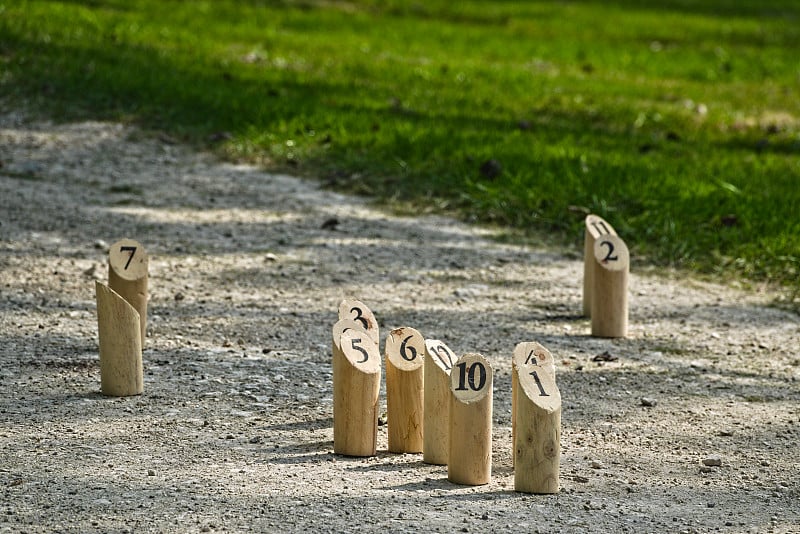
point(128, 259)
point(361, 351)
point(405, 348)
point(611, 253)
point(531, 353)
point(471, 379)
point(540, 388)
point(596, 226)
point(106, 294)
point(344, 325)
point(439, 354)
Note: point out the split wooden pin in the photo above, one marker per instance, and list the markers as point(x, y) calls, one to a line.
point(359, 312)
point(118, 322)
point(439, 360)
point(470, 452)
point(595, 227)
point(537, 440)
point(610, 279)
point(405, 352)
point(127, 276)
point(527, 354)
point(356, 389)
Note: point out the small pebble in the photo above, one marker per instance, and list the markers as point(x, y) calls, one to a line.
point(596, 465)
point(712, 461)
point(648, 402)
point(151, 473)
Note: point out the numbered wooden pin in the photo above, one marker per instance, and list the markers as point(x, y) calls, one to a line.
point(537, 440)
point(359, 312)
point(527, 354)
point(356, 388)
point(595, 227)
point(121, 372)
point(439, 360)
point(343, 325)
point(127, 276)
point(405, 353)
point(470, 452)
point(610, 298)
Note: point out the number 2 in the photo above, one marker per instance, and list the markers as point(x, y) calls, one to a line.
point(132, 250)
point(609, 256)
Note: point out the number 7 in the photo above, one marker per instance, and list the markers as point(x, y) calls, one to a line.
point(132, 250)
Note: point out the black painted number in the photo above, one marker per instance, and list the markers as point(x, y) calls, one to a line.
point(532, 356)
point(609, 256)
point(360, 316)
point(132, 250)
point(444, 356)
point(468, 377)
point(542, 392)
point(359, 348)
point(407, 352)
point(601, 227)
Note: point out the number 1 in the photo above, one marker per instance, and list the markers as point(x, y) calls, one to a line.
point(542, 392)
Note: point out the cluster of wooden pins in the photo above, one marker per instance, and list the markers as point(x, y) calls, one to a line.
point(442, 406)
point(122, 319)
point(605, 279)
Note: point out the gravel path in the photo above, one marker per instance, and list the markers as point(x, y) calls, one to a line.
point(234, 429)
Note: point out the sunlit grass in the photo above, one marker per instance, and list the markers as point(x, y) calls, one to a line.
point(680, 124)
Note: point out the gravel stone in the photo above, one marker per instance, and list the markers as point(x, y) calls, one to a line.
point(252, 338)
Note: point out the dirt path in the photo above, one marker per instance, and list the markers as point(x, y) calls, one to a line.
point(234, 430)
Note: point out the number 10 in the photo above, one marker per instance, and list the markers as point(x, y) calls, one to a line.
point(465, 376)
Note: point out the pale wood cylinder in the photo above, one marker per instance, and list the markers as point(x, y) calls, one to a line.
point(343, 325)
point(128, 277)
point(595, 227)
point(610, 299)
point(470, 445)
point(359, 312)
point(405, 353)
point(356, 390)
point(439, 361)
point(537, 442)
point(121, 372)
point(527, 354)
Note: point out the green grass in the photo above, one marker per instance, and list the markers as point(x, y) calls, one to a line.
point(679, 124)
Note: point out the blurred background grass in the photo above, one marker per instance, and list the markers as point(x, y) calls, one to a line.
point(678, 123)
